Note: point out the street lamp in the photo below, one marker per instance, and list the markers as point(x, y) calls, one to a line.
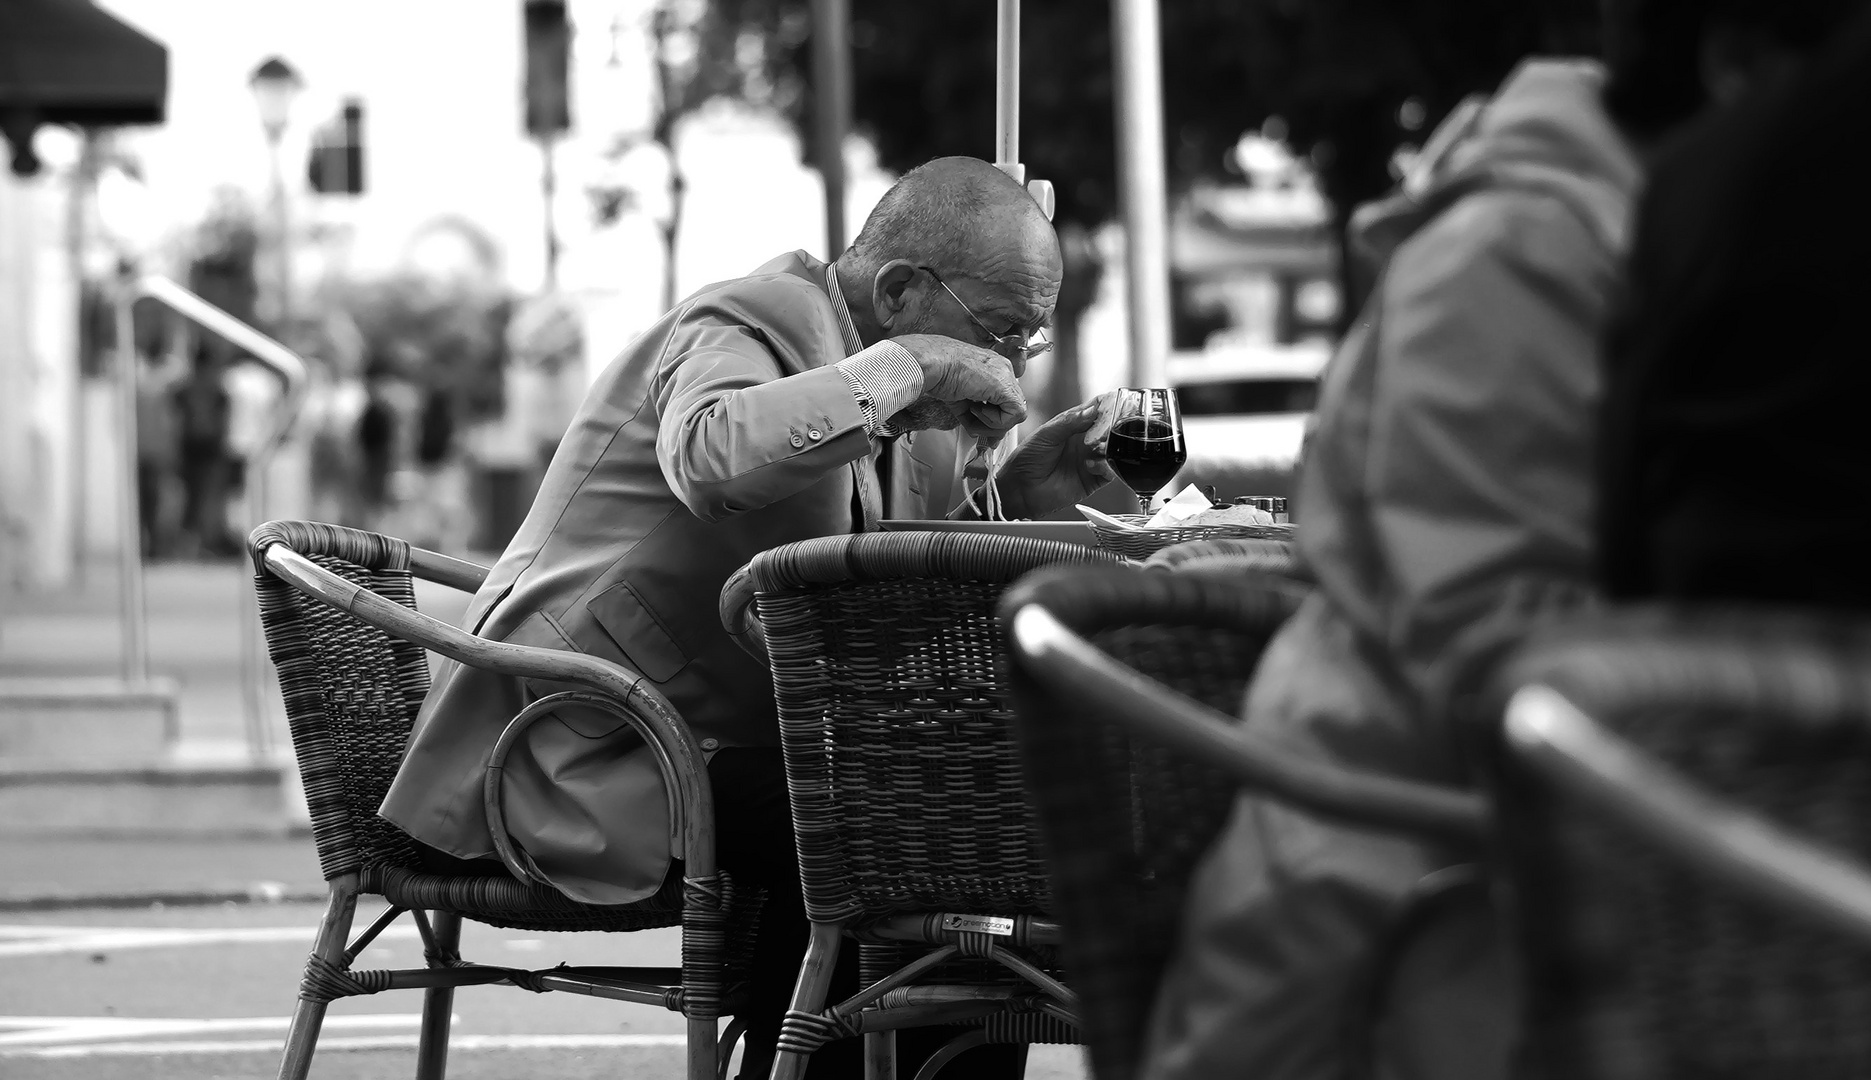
point(275, 84)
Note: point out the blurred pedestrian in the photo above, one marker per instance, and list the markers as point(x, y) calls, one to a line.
point(158, 453)
point(1734, 439)
point(203, 413)
point(378, 432)
point(546, 344)
point(1446, 493)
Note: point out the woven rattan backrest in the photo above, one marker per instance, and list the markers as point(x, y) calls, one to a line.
point(351, 690)
point(1125, 821)
point(1230, 555)
point(1637, 967)
point(894, 716)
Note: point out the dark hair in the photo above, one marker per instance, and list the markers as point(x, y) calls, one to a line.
point(1653, 49)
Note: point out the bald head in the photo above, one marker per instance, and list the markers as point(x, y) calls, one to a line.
point(973, 225)
point(955, 214)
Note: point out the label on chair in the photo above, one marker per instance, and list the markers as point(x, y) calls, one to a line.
point(979, 924)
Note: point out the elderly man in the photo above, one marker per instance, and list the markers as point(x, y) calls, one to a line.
point(803, 400)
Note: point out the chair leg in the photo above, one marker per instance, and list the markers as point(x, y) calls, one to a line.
point(334, 932)
point(736, 1028)
point(880, 1055)
point(966, 1041)
point(438, 1002)
point(704, 1042)
point(815, 980)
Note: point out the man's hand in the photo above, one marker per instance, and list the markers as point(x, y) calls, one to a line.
point(1062, 463)
point(966, 385)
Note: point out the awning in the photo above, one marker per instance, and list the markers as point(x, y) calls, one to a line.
point(70, 62)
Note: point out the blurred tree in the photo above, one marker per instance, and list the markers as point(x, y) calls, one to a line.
point(1337, 72)
point(698, 54)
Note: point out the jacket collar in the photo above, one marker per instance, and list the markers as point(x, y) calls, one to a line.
point(853, 343)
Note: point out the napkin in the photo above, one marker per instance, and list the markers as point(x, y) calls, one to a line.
point(1188, 502)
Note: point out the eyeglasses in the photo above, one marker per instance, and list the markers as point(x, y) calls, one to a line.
point(1013, 345)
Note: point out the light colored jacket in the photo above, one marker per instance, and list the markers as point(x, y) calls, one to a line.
point(723, 431)
point(1444, 505)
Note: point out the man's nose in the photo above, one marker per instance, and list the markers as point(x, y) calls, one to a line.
point(1016, 355)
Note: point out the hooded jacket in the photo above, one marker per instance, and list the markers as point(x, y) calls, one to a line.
point(1444, 505)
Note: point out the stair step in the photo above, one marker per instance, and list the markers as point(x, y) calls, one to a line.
point(86, 720)
point(163, 798)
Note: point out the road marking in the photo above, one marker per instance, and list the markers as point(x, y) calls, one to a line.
point(351, 1043)
point(51, 940)
point(17, 1031)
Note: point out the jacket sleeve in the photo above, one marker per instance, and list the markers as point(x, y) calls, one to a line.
point(736, 432)
point(1480, 455)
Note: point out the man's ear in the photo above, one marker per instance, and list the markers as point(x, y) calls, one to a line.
point(890, 297)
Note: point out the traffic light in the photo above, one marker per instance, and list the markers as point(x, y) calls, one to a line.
point(337, 162)
point(548, 63)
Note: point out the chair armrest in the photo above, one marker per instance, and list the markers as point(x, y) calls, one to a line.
point(447, 570)
point(685, 769)
point(1565, 746)
point(1078, 672)
point(738, 616)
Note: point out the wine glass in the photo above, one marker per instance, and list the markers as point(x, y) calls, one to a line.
point(1145, 445)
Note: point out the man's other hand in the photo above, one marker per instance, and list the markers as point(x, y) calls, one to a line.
point(1062, 462)
point(963, 385)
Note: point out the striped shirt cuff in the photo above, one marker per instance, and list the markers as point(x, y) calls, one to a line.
point(885, 379)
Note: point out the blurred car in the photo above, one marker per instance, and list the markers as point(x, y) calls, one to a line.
point(1248, 404)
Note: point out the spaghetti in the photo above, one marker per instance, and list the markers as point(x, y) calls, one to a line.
point(990, 457)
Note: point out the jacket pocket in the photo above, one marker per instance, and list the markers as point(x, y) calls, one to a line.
point(633, 626)
point(541, 630)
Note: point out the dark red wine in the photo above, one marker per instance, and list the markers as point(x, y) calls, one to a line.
point(1146, 453)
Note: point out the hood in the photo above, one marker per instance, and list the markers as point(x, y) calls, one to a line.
point(1544, 130)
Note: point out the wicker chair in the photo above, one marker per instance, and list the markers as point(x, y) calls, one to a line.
point(912, 826)
point(1224, 556)
point(1133, 759)
point(338, 606)
point(1685, 807)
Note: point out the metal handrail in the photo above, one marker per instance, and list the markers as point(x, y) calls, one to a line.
point(285, 365)
point(1089, 679)
point(1576, 754)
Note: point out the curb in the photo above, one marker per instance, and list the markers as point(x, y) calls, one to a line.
point(260, 892)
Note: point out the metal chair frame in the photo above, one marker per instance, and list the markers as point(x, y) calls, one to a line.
point(319, 561)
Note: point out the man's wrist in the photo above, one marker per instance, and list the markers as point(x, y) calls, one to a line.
point(885, 379)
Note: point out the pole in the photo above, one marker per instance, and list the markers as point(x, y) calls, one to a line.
point(282, 226)
point(549, 187)
point(135, 632)
point(83, 180)
point(1007, 89)
point(1141, 186)
point(831, 77)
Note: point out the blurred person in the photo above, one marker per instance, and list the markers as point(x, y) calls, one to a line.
point(203, 410)
point(546, 343)
point(253, 393)
point(158, 452)
point(379, 432)
point(1446, 494)
point(803, 400)
point(334, 406)
point(1734, 439)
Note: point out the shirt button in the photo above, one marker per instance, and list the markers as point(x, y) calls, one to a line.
point(710, 744)
point(815, 434)
point(797, 441)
